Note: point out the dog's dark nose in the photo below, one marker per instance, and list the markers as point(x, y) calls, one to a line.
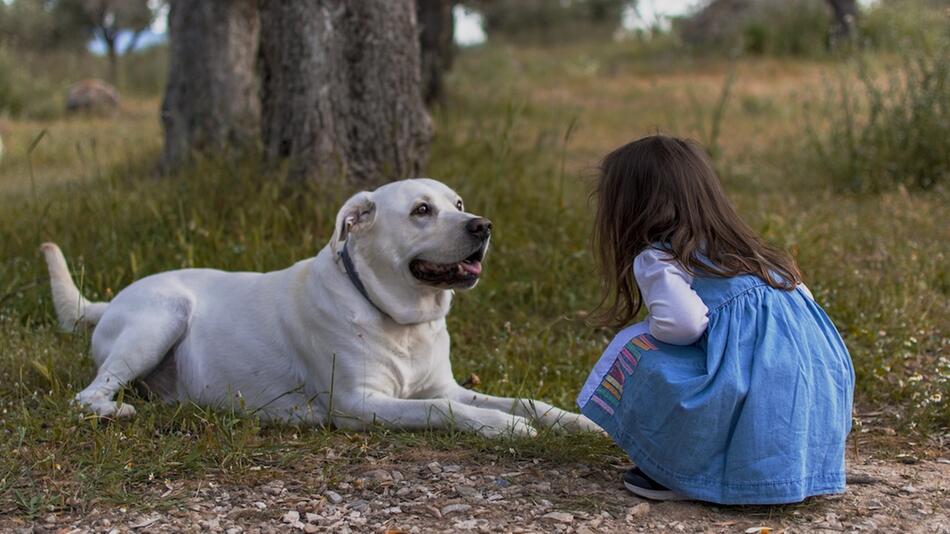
point(479, 227)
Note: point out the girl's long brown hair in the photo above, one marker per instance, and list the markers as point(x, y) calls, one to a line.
point(662, 189)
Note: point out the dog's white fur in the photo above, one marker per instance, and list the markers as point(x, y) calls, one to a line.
point(303, 344)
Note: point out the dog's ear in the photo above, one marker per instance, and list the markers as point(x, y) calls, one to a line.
point(356, 215)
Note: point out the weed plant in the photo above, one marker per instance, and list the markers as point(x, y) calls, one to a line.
point(883, 134)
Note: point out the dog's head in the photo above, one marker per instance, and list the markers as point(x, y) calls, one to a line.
point(412, 243)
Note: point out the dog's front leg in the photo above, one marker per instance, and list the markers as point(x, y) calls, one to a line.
point(360, 410)
point(543, 413)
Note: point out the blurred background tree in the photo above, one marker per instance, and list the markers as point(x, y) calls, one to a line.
point(808, 28)
point(106, 20)
point(550, 20)
point(845, 16)
point(436, 44)
point(49, 25)
point(761, 27)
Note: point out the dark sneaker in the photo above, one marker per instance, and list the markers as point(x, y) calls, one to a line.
point(639, 484)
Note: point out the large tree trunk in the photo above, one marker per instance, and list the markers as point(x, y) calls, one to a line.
point(340, 91)
point(113, 62)
point(846, 15)
point(211, 102)
point(437, 41)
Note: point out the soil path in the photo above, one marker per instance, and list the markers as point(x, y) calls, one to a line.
point(439, 491)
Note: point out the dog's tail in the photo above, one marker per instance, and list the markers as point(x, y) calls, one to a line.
point(72, 309)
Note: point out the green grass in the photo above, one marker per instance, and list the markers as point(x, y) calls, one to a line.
point(518, 140)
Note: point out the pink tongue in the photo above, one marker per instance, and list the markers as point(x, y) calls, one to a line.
point(472, 267)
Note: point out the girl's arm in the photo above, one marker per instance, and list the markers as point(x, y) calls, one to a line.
point(676, 313)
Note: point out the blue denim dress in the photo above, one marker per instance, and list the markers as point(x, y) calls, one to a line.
point(755, 412)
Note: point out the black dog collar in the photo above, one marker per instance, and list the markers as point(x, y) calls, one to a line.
point(355, 277)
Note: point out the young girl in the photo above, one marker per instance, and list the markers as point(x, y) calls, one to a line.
point(737, 388)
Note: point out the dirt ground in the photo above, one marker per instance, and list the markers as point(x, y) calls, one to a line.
point(438, 491)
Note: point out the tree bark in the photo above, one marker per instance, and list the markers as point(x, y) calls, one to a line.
point(211, 101)
point(437, 43)
point(113, 63)
point(340, 89)
point(845, 14)
point(133, 42)
point(109, 38)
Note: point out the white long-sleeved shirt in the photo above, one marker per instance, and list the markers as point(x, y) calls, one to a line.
point(676, 314)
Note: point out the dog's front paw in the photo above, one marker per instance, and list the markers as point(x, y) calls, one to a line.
point(511, 425)
point(104, 407)
point(522, 427)
point(572, 422)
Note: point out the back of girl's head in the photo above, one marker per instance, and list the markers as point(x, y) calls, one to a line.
point(664, 190)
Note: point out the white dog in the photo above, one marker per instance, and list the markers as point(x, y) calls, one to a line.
point(354, 337)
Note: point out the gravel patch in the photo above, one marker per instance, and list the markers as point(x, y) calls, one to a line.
point(452, 494)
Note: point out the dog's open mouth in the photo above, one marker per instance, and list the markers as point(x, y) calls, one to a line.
point(460, 274)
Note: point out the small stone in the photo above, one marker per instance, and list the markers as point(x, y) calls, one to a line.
point(334, 497)
point(909, 489)
point(260, 505)
point(378, 475)
point(468, 492)
point(359, 505)
point(397, 475)
point(639, 510)
point(435, 467)
point(234, 530)
point(455, 508)
point(544, 487)
point(560, 517)
point(312, 517)
point(468, 524)
point(214, 525)
point(311, 529)
point(452, 468)
point(292, 516)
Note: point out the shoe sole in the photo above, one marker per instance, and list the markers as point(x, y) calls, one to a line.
point(654, 495)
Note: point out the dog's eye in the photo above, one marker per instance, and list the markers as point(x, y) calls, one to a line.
point(422, 210)
point(459, 205)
